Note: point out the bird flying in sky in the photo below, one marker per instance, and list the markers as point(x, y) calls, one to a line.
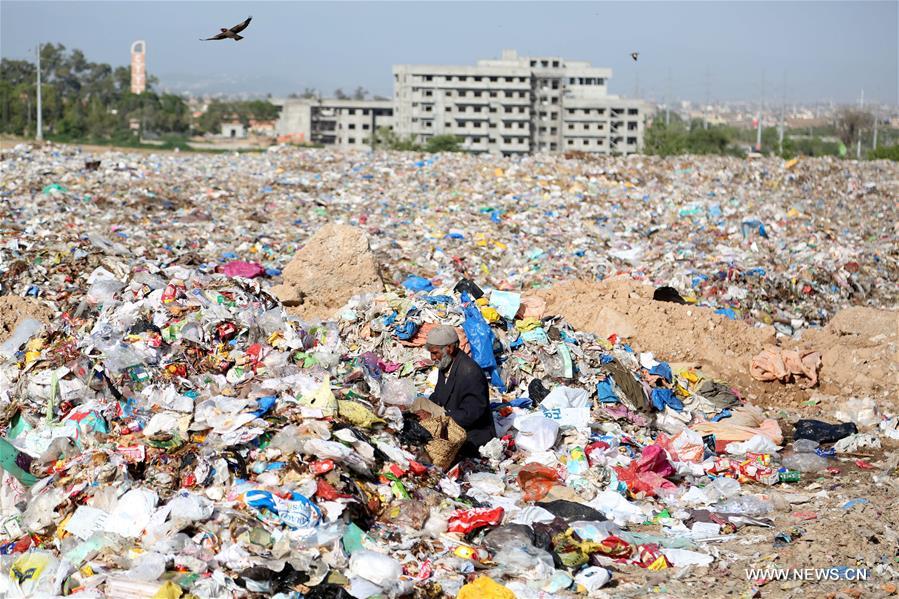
point(232, 33)
point(634, 55)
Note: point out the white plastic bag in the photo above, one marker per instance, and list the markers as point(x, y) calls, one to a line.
point(566, 397)
point(757, 444)
point(132, 513)
point(593, 578)
point(375, 567)
point(535, 432)
point(398, 392)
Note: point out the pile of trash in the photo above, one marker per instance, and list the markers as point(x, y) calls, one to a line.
point(765, 241)
point(179, 433)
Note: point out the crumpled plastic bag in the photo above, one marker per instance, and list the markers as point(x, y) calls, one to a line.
point(746, 422)
point(357, 414)
point(398, 392)
point(322, 398)
point(239, 268)
point(862, 411)
point(757, 444)
point(787, 366)
point(377, 568)
point(647, 474)
point(484, 588)
point(686, 446)
point(536, 433)
point(566, 397)
point(535, 480)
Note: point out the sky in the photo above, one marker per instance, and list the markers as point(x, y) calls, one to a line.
point(792, 51)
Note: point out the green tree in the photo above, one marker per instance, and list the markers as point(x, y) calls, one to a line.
point(387, 139)
point(82, 99)
point(443, 143)
point(885, 153)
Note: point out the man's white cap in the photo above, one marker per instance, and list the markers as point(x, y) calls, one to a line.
point(442, 335)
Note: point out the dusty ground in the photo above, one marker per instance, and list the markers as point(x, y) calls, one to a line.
point(862, 536)
point(858, 346)
point(14, 309)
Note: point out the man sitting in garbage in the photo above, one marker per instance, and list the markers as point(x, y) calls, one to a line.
point(461, 389)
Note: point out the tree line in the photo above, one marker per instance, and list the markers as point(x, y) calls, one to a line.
point(92, 101)
point(850, 126)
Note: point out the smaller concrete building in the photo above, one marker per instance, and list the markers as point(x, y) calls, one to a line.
point(233, 130)
point(342, 123)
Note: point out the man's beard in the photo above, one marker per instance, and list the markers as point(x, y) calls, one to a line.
point(445, 362)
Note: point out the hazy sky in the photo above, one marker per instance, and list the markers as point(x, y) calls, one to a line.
point(822, 50)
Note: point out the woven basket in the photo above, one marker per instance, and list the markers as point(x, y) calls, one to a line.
point(448, 438)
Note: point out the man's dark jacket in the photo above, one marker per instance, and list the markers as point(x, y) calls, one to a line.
point(465, 397)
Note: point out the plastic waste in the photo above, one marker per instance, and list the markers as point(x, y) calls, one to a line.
point(25, 330)
point(398, 392)
point(823, 432)
point(746, 505)
point(484, 587)
point(863, 412)
point(536, 433)
point(593, 578)
point(536, 480)
point(380, 569)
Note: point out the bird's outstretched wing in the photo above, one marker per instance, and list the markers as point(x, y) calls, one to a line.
point(242, 26)
point(220, 36)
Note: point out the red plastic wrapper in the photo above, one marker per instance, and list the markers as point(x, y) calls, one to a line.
point(225, 330)
point(465, 521)
point(615, 547)
point(417, 469)
point(396, 470)
point(536, 480)
point(325, 490)
point(650, 557)
point(322, 466)
point(170, 293)
point(239, 268)
point(647, 474)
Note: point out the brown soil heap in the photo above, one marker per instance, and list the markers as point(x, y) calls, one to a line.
point(858, 347)
point(15, 309)
point(334, 265)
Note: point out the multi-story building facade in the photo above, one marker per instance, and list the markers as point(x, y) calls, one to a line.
point(342, 123)
point(517, 105)
point(510, 105)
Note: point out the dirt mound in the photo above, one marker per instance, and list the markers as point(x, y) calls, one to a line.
point(14, 309)
point(858, 347)
point(334, 265)
point(859, 352)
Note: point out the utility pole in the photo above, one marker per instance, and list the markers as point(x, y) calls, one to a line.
point(707, 94)
point(668, 101)
point(783, 116)
point(40, 123)
point(758, 132)
point(874, 142)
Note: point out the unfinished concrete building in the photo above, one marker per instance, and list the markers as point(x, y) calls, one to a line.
point(517, 105)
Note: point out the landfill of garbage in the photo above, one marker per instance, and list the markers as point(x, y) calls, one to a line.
point(209, 389)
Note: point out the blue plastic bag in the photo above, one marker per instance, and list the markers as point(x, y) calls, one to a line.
point(480, 337)
point(406, 330)
point(665, 397)
point(728, 312)
point(605, 392)
point(663, 370)
point(414, 283)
